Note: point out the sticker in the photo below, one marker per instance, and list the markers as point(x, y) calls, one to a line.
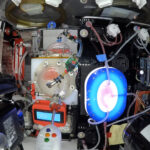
point(146, 132)
point(16, 2)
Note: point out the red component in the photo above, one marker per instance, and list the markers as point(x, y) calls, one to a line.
point(66, 71)
point(60, 51)
point(44, 106)
point(19, 51)
point(15, 33)
point(33, 91)
point(7, 31)
point(75, 37)
point(109, 134)
point(73, 62)
point(54, 135)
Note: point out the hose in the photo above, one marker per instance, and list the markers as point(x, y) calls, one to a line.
point(105, 132)
point(92, 122)
point(125, 43)
point(19, 72)
point(98, 141)
point(89, 24)
point(53, 117)
point(128, 118)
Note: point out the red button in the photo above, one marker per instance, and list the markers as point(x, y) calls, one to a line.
point(54, 135)
point(109, 134)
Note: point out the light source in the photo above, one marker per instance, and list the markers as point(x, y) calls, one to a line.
point(103, 96)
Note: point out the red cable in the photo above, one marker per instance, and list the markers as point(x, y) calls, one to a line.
point(89, 24)
point(105, 132)
point(121, 38)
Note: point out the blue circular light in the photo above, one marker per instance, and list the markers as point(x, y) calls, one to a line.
point(92, 84)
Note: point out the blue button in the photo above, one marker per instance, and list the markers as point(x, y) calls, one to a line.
point(20, 114)
point(51, 25)
point(48, 130)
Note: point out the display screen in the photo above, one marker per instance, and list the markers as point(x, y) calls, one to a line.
point(47, 116)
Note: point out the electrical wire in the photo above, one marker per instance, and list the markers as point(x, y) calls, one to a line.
point(110, 43)
point(124, 44)
point(128, 118)
point(89, 24)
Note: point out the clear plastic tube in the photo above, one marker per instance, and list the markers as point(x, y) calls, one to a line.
point(53, 117)
point(124, 44)
point(92, 122)
point(98, 141)
point(19, 72)
point(128, 118)
point(107, 71)
point(133, 102)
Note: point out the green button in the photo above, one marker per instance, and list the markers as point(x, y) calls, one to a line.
point(46, 140)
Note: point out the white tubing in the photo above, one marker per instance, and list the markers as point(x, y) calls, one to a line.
point(92, 122)
point(19, 72)
point(128, 118)
point(98, 141)
point(124, 44)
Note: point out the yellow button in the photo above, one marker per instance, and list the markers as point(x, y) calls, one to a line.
point(47, 135)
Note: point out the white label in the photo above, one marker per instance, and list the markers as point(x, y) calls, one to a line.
point(54, 3)
point(146, 132)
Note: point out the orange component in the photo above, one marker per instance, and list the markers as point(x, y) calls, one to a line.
point(47, 135)
point(44, 106)
point(33, 91)
point(54, 135)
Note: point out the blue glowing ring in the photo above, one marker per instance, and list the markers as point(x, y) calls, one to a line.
point(92, 84)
